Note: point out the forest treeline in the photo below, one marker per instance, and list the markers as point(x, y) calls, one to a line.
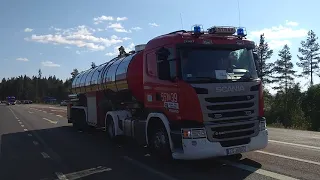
point(289, 107)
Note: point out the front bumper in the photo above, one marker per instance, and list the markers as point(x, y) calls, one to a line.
point(202, 148)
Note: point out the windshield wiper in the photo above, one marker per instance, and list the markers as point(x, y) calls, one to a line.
point(246, 78)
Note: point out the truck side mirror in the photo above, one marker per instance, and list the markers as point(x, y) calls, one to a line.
point(257, 63)
point(163, 64)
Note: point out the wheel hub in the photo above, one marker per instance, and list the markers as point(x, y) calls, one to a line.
point(159, 140)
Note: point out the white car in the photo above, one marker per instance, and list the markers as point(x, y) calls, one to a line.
point(63, 103)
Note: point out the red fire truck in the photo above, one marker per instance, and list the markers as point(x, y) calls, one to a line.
point(186, 95)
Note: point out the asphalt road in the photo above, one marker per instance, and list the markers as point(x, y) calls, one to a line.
point(37, 143)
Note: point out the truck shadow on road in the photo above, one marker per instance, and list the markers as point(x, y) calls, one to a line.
point(71, 151)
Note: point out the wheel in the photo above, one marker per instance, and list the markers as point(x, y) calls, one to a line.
point(79, 122)
point(159, 143)
point(110, 128)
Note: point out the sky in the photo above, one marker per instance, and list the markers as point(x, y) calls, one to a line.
point(58, 36)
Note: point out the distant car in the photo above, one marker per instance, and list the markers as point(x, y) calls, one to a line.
point(64, 103)
point(27, 102)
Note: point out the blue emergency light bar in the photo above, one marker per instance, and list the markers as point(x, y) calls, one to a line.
point(197, 29)
point(241, 31)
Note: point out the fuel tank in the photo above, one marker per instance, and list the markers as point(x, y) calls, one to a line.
point(123, 73)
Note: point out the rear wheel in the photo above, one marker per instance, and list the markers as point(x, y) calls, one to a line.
point(111, 132)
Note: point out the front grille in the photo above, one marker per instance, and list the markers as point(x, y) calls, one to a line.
point(232, 114)
point(231, 118)
point(232, 131)
point(229, 99)
point(231, 107)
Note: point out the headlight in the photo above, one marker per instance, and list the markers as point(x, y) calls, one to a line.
point(193, 133)
point(262, 125)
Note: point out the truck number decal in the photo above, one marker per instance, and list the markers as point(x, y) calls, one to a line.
point(169, 97)
point(170, 101)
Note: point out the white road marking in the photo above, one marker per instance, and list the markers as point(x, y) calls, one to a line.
point(83, 173)
point(25, 129)
point(13, 113)
point(163, 175)
point(30, 135)
point(257, 170)
point(50, 113)
point(30, 112)
point(61, 176)
point(58, 115)
point(45, 155)
point(288, 157)
point(62, 110)
point(35, 142)
point(53, 122)
point(293, 144)
point(22, 125)
point(20, 122)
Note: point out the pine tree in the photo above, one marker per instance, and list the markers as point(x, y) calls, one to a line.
point(309, 59)
point(264, 53)
point(283, 68)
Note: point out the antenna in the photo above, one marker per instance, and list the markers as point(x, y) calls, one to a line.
point(181, 20)
point(239, 14)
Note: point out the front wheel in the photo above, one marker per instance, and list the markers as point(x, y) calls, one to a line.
point(159, 143)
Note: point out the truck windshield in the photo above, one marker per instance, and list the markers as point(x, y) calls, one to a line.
point(217, 65)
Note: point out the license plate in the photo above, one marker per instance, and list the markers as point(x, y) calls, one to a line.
point(236, 150)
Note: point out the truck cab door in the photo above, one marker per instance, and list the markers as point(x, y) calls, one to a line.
point(163, 85)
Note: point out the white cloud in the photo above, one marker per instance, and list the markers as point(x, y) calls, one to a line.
point(126, 38)
point(49, 64)
point(278, 44)
point(122, 18)
point(277, 36)
point(115, 25)
point(118, 28)
point(115, 52)
point(136, 28)
point(67, 47)
point(154, 24)
point(99, 20)
point(28, 30)
point(291, 23)
point(22, 59)
point(81, 36)
point(78, 52)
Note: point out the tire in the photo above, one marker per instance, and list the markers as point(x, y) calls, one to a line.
point(110, 128)
point(79, 122)
point(159, 143)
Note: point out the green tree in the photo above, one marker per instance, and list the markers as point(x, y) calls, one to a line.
point(264, 53)
point(283, 68)
point(309, 59)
